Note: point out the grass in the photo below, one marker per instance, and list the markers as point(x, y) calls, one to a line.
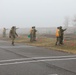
point(69, 46)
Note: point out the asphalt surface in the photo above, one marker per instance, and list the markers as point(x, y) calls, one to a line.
point(29, 60)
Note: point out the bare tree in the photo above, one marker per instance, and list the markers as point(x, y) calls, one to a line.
point(66, 22)
point(74, 21)
point(74, 24)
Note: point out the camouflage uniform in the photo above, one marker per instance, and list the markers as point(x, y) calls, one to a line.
point(13, 34)
point(4, 32)
point(34, 34)
point(31, 34)
point(62, 34)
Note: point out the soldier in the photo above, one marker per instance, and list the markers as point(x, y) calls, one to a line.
point(61, 35)
point(31, 34)
point(13, 34)
point(16, 28)
point(34, 33)
point(4, 32)
point(57, 36)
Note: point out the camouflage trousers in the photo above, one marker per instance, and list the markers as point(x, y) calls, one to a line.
point(12, 39)
point(32, 37)
point(4, 34)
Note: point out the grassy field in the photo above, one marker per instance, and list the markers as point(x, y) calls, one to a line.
point(69, 45)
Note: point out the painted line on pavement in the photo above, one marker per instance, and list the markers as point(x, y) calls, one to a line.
point(36, 58)
point(35, 61)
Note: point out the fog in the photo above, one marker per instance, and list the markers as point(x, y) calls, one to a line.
point(39, 13)
point(41, 31)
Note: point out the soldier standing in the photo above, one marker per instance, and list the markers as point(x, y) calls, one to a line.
point(61, 35)
point(13, 34)
point(31, 34)
point(34, 33)
point(4, 32)
point(57, 36)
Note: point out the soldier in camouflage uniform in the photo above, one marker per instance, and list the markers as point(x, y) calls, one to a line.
point(61, 35)
point(31, 35)
point(4, 32)
point(34, 33)
point(13, 34)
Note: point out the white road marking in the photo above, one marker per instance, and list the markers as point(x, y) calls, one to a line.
point(35, 61)
point(58, 59)
point(41, 58)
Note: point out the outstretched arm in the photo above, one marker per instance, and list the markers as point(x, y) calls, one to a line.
point(64, 29)
point(16, 34)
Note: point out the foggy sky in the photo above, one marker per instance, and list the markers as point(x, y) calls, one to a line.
point(39, 13)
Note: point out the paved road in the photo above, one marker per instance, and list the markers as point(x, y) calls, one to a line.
point(29, 60)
